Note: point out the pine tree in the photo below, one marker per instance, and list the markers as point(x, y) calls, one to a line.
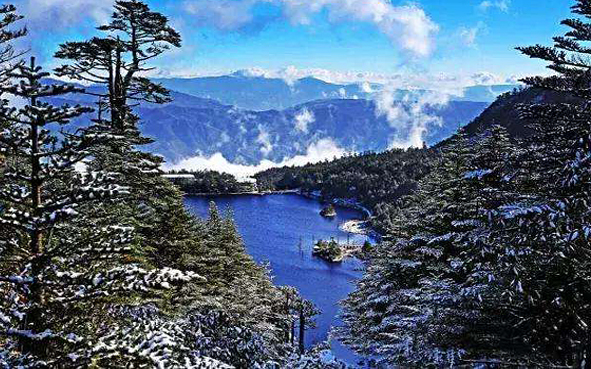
point(135, 36)
point(8, 54)
point(237, 285)
point(116, 64)
point(410, 282)
point(533, 266)
point(49, 265)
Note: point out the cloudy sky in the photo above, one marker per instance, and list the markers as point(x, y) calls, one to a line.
point(467, 39)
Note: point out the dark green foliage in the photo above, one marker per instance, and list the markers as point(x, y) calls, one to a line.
point(489, 259)
point(374, 180)
point(209, 182)
point(135, 36)
point(329, 250)
point(108, 251)
point(63, 263)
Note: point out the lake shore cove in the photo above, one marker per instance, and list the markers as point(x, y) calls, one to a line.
point(280, 230)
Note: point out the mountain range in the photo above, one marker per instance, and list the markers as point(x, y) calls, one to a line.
point(261, 93)
point(248, 137)
point(219, 115)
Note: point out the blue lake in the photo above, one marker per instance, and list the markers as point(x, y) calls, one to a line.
point(281, 230)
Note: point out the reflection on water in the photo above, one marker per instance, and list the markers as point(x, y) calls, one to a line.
point(281, 230)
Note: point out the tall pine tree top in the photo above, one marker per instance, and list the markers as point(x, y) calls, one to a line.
point(569, 56)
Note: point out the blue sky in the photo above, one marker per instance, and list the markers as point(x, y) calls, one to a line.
point(471, 39)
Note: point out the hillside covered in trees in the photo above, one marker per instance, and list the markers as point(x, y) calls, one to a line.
point(378, 180)
point(208, 182)
point(487, 263)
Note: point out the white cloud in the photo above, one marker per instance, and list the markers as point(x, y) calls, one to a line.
point(502, 5)
point(366, 87)
point(265, 140)
point(49, 14)
point(439, 81)
point(325, 149)
point(303, 119)
point(486, 78)
point(369, 82)
point(468, 35)
point(513, 80)
point(226, 15)
point(410, 115)
point(407, 26)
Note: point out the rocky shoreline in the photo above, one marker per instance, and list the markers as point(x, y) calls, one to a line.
point(356, 227)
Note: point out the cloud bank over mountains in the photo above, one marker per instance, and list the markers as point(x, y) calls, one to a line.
point(366, 80)
point(412, 115)
point(324, 149)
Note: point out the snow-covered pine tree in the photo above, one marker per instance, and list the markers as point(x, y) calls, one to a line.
point(533, 268)
point(539, 242)
point(135, 36)
point(116, 65)
point(411, 283)
point(48, 268)
point(418, 303)
point(8, 54)
point(485, 330)
point(238, 286)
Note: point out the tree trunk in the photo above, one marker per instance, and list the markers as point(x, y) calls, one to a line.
point(302, 329)
point(34, 318)
point(287, 335)
point(36, 242)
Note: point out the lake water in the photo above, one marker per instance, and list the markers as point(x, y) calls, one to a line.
point(280, 230)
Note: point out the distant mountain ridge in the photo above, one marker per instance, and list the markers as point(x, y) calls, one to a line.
point(261, 93)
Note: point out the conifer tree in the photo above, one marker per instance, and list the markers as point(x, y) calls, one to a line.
point(416, 304)
point(50, 266)
point(410, 281)
point(542, 251)
point(116, 64)
point(135, 36)
point(8, 55)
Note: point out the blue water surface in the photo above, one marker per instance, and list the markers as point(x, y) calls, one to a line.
point(280, 230)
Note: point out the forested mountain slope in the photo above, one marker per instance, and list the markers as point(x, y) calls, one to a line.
point(247, 137)
point(504, 111)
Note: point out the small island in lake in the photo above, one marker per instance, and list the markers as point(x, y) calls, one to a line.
point(328, 211)
point(330, 251)
point(334, 252)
